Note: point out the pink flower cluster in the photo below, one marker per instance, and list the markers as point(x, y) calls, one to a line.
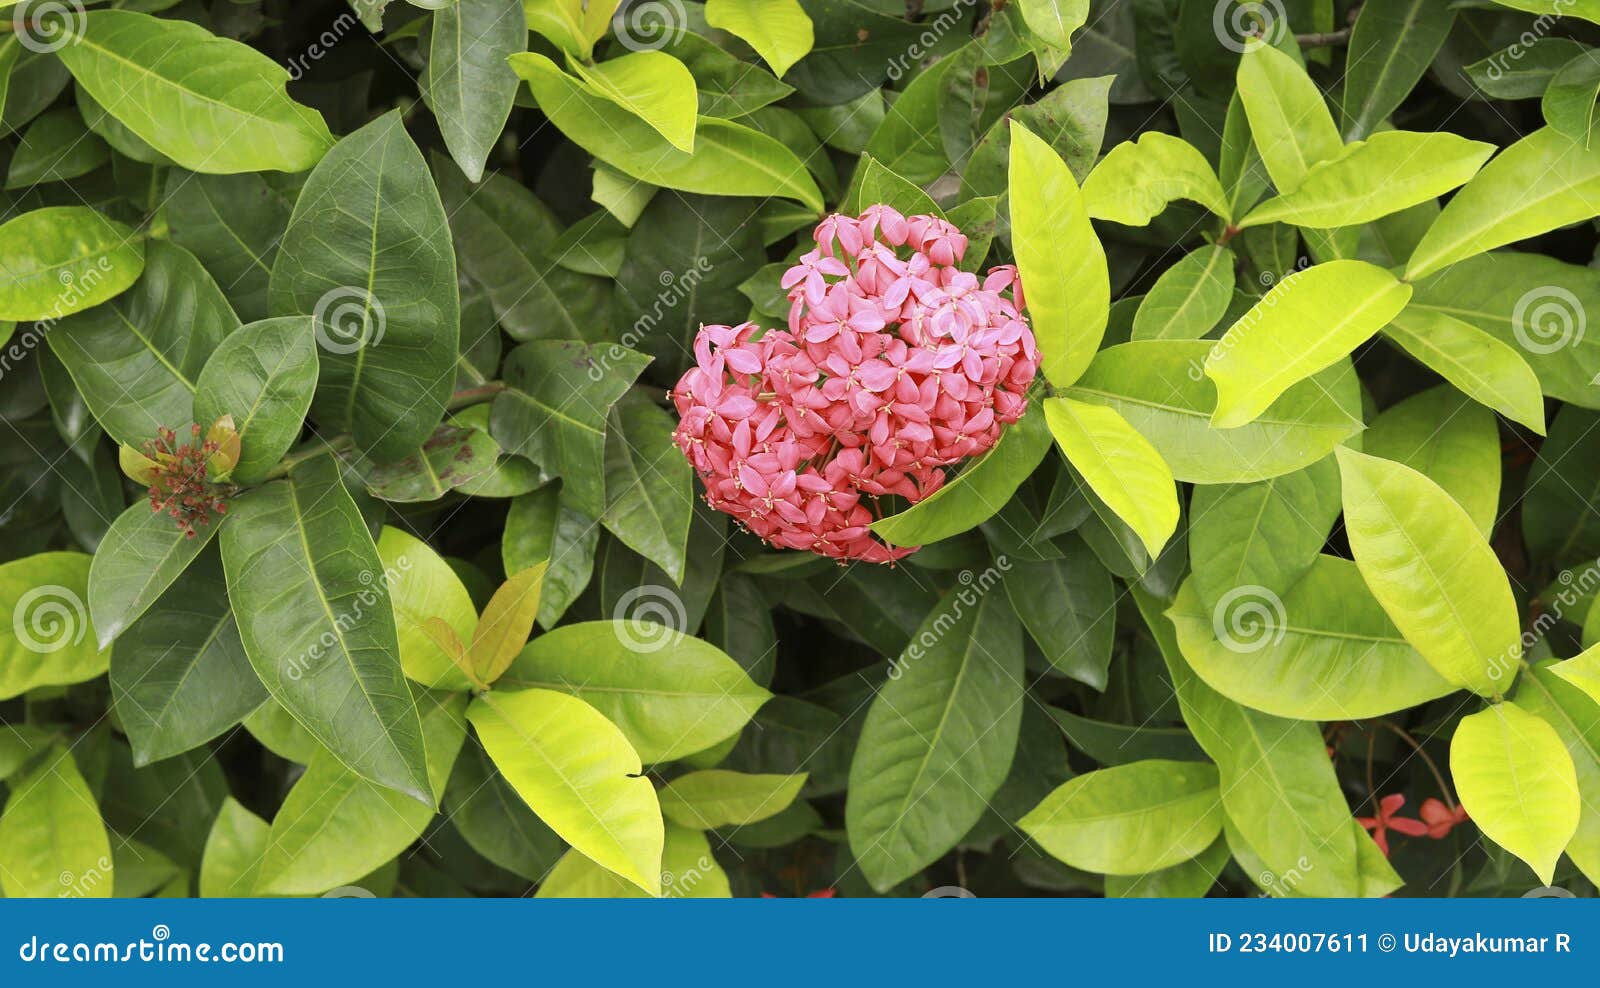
point(896, 364)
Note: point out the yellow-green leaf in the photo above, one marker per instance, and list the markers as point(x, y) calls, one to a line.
point(1518, 783)
point(1120, 465)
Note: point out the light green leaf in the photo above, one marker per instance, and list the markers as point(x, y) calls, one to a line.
point(1159, 387)
point(334, 826)
point(467, 83)
point(1139, 179)
point(972, 496)
point(64, 259)
point(542, 527)
point(422, 586)
point(46, 641)
point(1189, 298)
point(1568, 104)
point(1130, 819)
point(719, 798)
point(575, 25)
point(1441, 434)
point(52, 842)
point(1053, 21)
point(651, 85)
point(233, 853)
point(211, 104)
point(263, 375)
point(1517, 781)
point(503, 627)
point(1575, 716)
point(1308, 321)
point(1119, 465)
point(554, 410)
point(1289, 121)
point(1477, 363)
point(314, 613)
point(1059, 259)
point(938, 739)
point(1432, 570)
point(55, 147)
point(1324, 650)
point(1190, 879)
point(779, 30)
point(1501, 206)
point(578, 772)
point(729, 159)
point(368, 252)
point(492, 818)
point(671, 695)
point(1371, 179)
point(649, 485)
point(688, 871)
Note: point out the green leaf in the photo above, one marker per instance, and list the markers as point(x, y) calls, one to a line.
point(1517, 781)
point(1501, 206)
point(1072, 116)
point(1391, 46)
point(778, 30)
point(719, 798)
point(233, 852)
point(64, 259)
point(314, 613)
point(729, 159)
point(688, 871)
point(938, 739)
point(467, 83)
point(55, 147)
point(502, 235)
point(1189, 298)
point(1307, 322)
point(649, 485)
point(1289, 121)
point(1433, 572)
point(1159, 387)
point(1130, 819)
point(1053, 21)
point(142, 553)
point(1547, 695)
point(1442, 435)
point(554, 410)
point(450, 458)
point(179, 674)
point(1119, 465)
point(423, 586)
point(334, 826)
point(543, 527)
point(1582, 671)
point(578, 772)
point(727, 86)
point(263, 375)
point(1279, 789)
point(1190, 879)
point(573, 25)
point(1067, 302)
point(1139, 179)
point(52, 843)
point(1068, 607)
point(47, 640)
point(1324, 650)
point(1481, 366)
point(210, 104)
point(972, 496)
point(368, 253)
point(1119, 744)
point(281, 734)
point(1371, 179)
point(232, 223)
point(671, 695)
point(651, 85)
point(1265, 534)
point(1568, 104)
point(1558, 522)
point(494, 820)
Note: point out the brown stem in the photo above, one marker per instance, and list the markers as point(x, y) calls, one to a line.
point(1438, 776)
point(475, 396)
point(1323, 39)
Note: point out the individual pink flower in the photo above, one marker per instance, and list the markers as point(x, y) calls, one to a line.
point(895, 366)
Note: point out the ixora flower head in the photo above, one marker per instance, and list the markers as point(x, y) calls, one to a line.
point(182, 477)
point(896, 365)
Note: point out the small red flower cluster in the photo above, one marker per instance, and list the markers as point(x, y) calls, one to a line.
point(1437, 820)
point(896, 364)
point(177, 479)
